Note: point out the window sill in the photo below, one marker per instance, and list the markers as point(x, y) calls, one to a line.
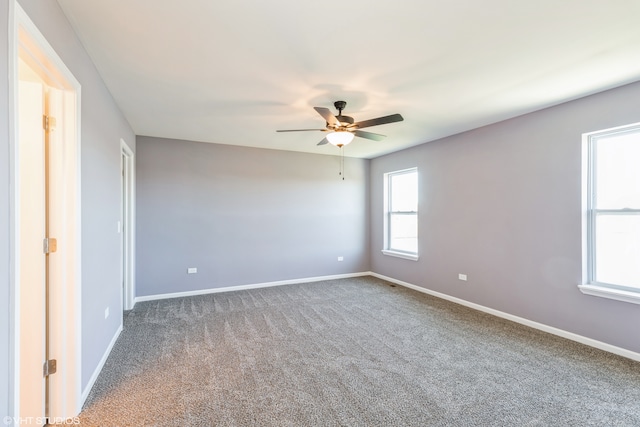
point(412, 257)
point(616, 294)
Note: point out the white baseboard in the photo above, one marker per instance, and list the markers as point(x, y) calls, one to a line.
point(251, 286)
point(96, 372)
point(540, 326)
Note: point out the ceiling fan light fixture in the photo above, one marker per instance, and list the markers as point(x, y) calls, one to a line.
point(340, 138)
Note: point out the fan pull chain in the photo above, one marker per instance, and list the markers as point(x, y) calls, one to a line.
point(342, 162)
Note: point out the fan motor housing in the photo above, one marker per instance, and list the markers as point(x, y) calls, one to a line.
point(345, 120)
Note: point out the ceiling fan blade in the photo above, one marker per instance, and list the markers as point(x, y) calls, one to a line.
point(323, 142)
point(379, 121)
point(300, 130)
point(328, 115)
point(369, 135)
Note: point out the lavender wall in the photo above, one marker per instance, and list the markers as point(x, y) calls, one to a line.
point(103, 125)
point(502, 204)
point(244, 216)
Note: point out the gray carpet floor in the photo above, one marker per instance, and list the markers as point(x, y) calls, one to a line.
point(352, 352)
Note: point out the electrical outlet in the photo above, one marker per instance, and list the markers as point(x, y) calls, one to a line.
point(106, 312)
point(192, 270)
point(462, 277)
point(340, 258)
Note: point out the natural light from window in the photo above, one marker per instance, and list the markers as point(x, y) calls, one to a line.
point(616, 209)
point(401, 209)
point(611, 195)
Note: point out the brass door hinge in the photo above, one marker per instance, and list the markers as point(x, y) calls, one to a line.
point(48, 123)
point(50, 245)
point(50, 367)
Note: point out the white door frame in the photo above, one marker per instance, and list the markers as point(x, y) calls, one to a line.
point(128, 227)
point(65, 321)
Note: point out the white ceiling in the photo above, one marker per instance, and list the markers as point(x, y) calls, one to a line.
point(232, 72)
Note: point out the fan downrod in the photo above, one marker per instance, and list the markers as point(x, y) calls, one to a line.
point(342, 120)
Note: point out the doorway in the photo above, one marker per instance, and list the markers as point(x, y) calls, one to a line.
point(127, 225)
point(45, 223)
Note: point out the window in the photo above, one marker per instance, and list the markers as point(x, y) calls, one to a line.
point(401, 214)
point(613, 214)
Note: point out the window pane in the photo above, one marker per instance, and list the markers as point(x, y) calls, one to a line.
point(618, 171)
point(618, 250)
point(403, 234)
point(404, 192)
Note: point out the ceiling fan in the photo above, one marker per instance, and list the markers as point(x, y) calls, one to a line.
point(341, 129)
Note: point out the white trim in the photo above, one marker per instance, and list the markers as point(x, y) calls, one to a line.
point(540, 326)
point(77, 308)
point(611, 293)
point(585, 202)
point(13, 405)
point(96, 372)
point(251, 286)
point(609, 131)
point(129, 237)
point(412, 257)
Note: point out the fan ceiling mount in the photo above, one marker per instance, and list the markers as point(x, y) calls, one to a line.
point(341, 129)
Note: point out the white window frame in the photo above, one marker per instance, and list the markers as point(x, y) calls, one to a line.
point(387, 250)
point(589, 284)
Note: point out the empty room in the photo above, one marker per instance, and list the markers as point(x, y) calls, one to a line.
point(329, 214)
